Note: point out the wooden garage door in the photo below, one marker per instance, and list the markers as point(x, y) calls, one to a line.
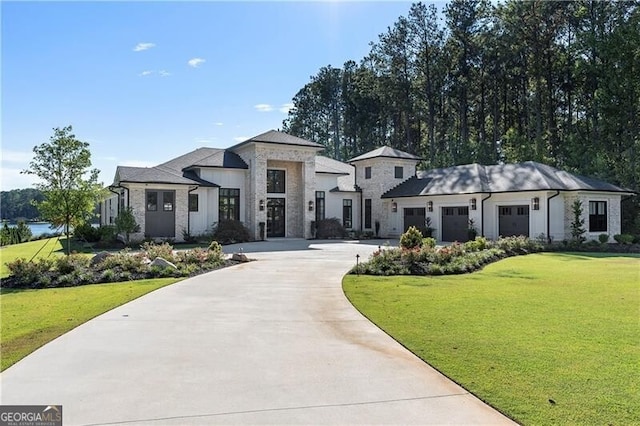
point(513, 220)
point(455, 222)
point(415, 216)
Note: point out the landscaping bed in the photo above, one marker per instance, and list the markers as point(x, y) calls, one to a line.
point(152, 261)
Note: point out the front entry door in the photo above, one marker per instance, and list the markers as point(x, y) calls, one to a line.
point(275, 217)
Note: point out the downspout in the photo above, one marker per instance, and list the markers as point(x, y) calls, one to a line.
point(482, 214)
point(549, 215)
point(188, 211)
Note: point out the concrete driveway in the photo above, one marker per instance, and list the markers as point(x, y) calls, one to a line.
point(270, 342)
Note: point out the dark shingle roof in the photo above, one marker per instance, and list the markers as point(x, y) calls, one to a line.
point(222, 158)
point(387, 152)
point(331, 166)
point(280, 138)
point(475, 178)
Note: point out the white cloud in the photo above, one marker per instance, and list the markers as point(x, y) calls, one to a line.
point(240, 138)
point(219, 123)
point(196, 62)
point(143, 46)
point(263, 107)
point(164, 73)
point(21, 157)
point(145, 73)
point(11, 178)
point(286, 107)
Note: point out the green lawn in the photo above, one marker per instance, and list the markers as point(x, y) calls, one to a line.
point(551, 338)
point(31, 318)
point(39, 248)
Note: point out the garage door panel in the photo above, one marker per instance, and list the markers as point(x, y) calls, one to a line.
point(455, 222)
point(415, 216)
point(513, 220)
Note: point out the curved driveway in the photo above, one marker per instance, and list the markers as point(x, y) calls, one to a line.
point(273, 341)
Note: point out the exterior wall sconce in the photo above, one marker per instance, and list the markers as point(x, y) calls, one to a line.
point(535, 203)
point(310, 206)
point(261, 205)
point(429, 206)
point(472, 203)
point(394, 206)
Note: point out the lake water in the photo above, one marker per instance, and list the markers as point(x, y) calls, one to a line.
point(39, 228)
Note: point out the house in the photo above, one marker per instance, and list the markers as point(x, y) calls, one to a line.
point(279, 185)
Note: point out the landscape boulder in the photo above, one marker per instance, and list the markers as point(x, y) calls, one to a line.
point(239, 257)
point(99, 258)
point(162, 263)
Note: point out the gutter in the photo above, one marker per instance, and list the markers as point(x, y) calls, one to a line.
point(110, 188)
point(549, 215)
point(482, 214)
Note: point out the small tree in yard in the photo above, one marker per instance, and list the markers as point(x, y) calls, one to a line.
point(126, 223)
point(69, 186)
point(577, 225)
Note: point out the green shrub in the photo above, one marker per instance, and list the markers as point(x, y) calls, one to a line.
point(87, 232)
point(230, 232)
point(73, 262)
point(123, 261)
point(330, 228)
point(623, 238)
point(478, 244)
point(412, 238)
point(429, 242)
point(518, 245)
point(30, 273)
point(603, 238)
point(153, 250)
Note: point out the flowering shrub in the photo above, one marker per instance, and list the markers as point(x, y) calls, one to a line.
point(454, 259)
point(153, 250)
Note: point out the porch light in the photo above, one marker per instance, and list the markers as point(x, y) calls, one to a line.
point(429, 206)
point(394, 206)
point(261, 205)
point(472, 203)
point(310, 206)
point(535, 203)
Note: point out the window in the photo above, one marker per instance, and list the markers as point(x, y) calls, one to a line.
point(275, 181)
point(152, 201)
point(319, 205)
point(367, 172)
point(347, 210)
point(367, 213)
point(398, 172)
point(193, 202)
point(597, 216)
point(167, 201)
point(229, 204)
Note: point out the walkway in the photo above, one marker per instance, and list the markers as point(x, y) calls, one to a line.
point(273, 341)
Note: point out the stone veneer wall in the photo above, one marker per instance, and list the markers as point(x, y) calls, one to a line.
point(614, 213)
point(137, 200)
point(382, 180)
point(300, 165)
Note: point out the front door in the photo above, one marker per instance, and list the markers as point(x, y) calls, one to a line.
point(275, 217)
point(160, 216)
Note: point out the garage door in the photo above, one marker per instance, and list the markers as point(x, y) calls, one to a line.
point(513, 220)
point(455, 222)
point(415, 217)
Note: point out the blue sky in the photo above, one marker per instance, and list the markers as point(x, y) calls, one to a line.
point(143, 82)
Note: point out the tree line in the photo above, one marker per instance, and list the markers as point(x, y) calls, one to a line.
point(18, 204)
point(554, 82)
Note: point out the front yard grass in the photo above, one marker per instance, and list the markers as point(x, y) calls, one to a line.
point(32, 318)
point(550, 338)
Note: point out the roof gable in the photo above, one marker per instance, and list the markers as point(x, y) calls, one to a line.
point(386, 152)
point(279, 138)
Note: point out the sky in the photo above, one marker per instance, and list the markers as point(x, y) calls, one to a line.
point(144, 82)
